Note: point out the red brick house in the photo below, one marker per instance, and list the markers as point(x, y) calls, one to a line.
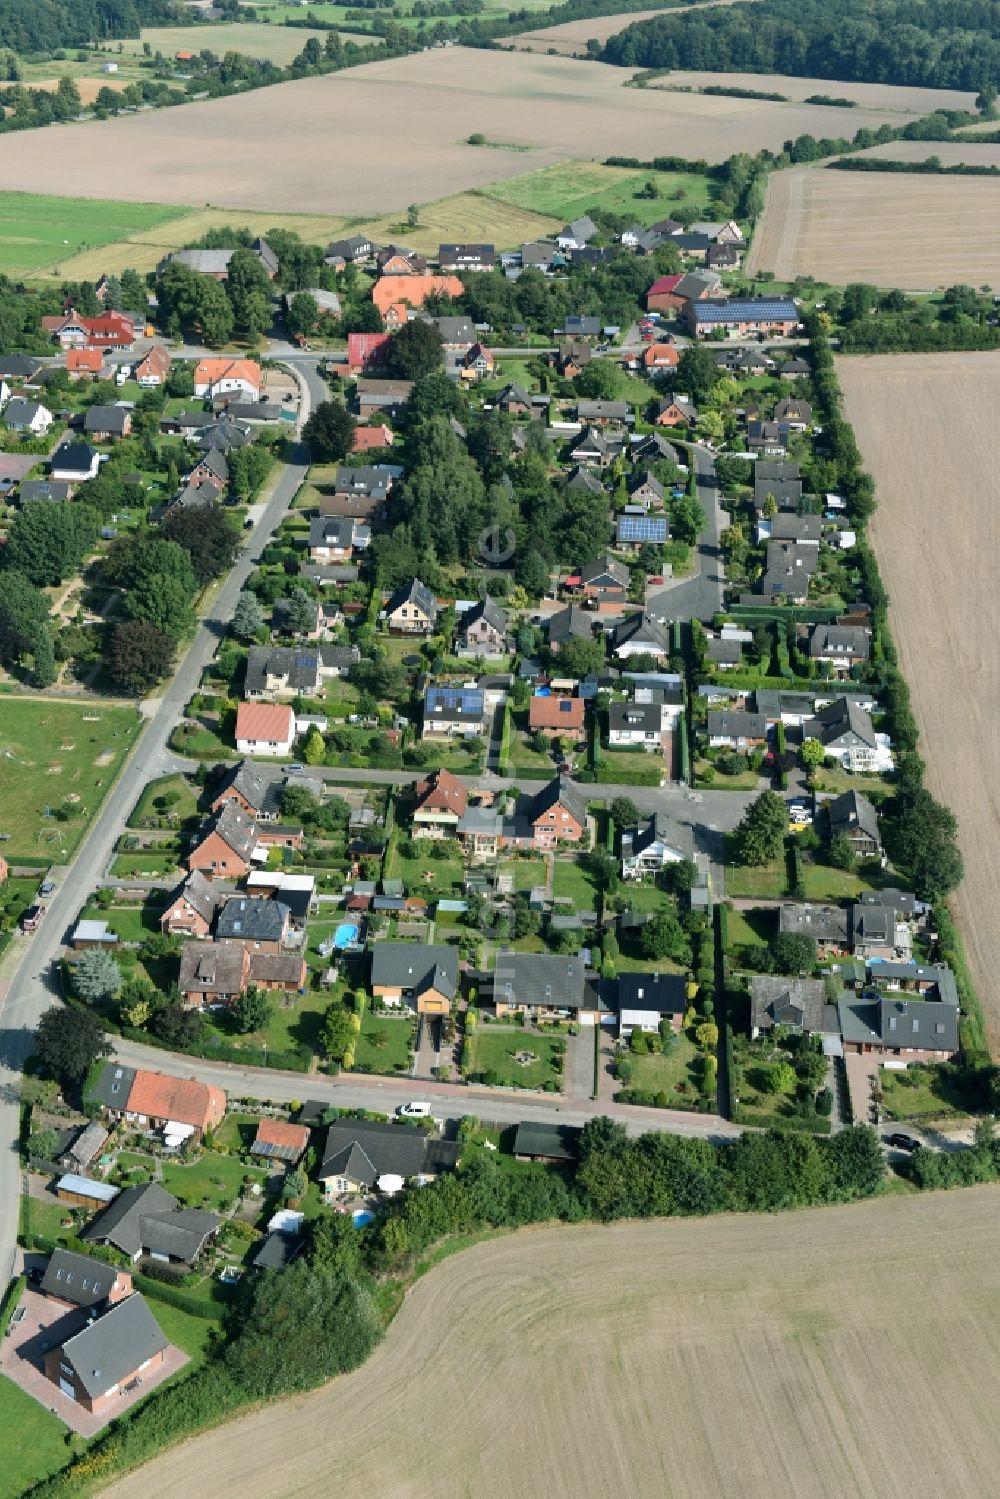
point(153, 368)
point(225, 845)
point(83, 362)
point(191, 910)
point(661, 295)
point(660, 357)
point(439, 802)
point(93, 1366)
point(558, 814)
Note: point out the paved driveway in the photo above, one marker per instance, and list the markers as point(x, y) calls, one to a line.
point(44, 1324)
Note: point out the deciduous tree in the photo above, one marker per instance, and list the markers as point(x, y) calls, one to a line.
point(67, 1041)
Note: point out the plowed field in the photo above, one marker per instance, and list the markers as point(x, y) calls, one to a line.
point(842, 1353)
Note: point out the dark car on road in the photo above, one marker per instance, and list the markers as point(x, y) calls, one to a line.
point(903, 1142)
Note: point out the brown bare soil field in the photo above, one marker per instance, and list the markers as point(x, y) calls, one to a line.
point(951, 153)
point(925, 424)
point(881, 96)
point(373, 139)
point(571, 37)
point(915, 232)
point(89, 87)
point(837, 1353)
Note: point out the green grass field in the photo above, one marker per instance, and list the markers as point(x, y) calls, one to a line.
point(57, 757)
point(208, 1181)
point(572, 880)
point(495, 1049)
point(668, 1073)
point(191, 1334)
point(575, 187)
point(383, 1044)
point(177, 785)
point(282, 44)
point(132, 923)
point(33, 1442)
point(38, 232)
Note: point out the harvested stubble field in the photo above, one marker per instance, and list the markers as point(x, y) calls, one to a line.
point(925, 425)
point(690, 1371)
point(371, 140)
point(848, 226)
point(282, 44)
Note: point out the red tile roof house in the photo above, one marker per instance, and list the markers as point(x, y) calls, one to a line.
point(81, 362)
point(278, 1140)
point(220, 377)
point(156, 1101)
point(366, 352)
point(662, 297)
point(153, 368)
point(366, 439)
point(265, 729)
point(439, 802)
point(556, 717)
point(112, 330)
point(226, 844)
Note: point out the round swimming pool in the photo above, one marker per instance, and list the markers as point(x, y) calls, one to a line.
point(362, 1217)
point(346, 934)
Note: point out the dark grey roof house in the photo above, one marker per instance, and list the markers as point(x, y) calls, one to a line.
point(541, 981)
point(78, 1279)
point(110, 1350)
point(852, 816)
point(359, 1151)
point(252, 919)
point(148, 1220)
point(796, 1002)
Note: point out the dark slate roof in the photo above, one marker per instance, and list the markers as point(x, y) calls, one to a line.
point(331, 530)
point(73, 457)
point(852, 810)
point(198, 892)
point(78, 1278)
point(416, 593)
point(582, 478)
point(486, 609)
point(657, 829)
point(641, 630)
point(840, 640)
point(365, 1150)
point(277, 1251)
point(299, 663)
point(261, 789)
point(235, 826)
point(824, 923)
point(107, 1351)
point(903, 902)
point(410, 965)
point(560, 789)
point(557, 1142)
point(606, 571)
point(920, 1024)
point(42, 489)
point(570, 623)
point(114, 1085)
point(19, 367)
point(106, 419)
point(798, 1002)
point(251, 919)
point(120, 1222)
point(661, 993)
point(625, 716)
point(542, 979)
point(839, 720)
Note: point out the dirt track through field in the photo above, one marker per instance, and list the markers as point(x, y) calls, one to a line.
point(893, 229)
point(374, 139)
point(926, 425)
point(839, 1353)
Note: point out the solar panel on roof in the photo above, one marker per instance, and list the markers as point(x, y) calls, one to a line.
point(642, 528)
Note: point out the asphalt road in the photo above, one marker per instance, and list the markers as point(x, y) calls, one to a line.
point(450, 1100)
point(30, 991)
point(700, 596)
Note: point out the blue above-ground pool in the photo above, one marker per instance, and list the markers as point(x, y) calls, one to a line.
point(346, 934)
point(543, 692)
point(362, 1217)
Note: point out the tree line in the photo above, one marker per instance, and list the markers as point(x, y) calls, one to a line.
point(952, 44)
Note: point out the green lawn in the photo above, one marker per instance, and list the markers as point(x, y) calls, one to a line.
point(237, 1131)
point(144, 864)
point(577, 187)
point(495, 1048)
point(527, 873)
point(44, 1218)
point(57, 757)
point(190, 1334)
point(39, 231)
point(748, 928)
point(185, 807)
point(33, 1441)
point(671, 1073)
point(641, 896)
point(427, 876)
point(823, 882)
point(921, 1093)
point(209, 1181)
point(384, 1045)
point(572, 880)
point(132, 923)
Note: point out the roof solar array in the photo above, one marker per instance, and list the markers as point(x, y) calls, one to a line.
point(642, 528)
